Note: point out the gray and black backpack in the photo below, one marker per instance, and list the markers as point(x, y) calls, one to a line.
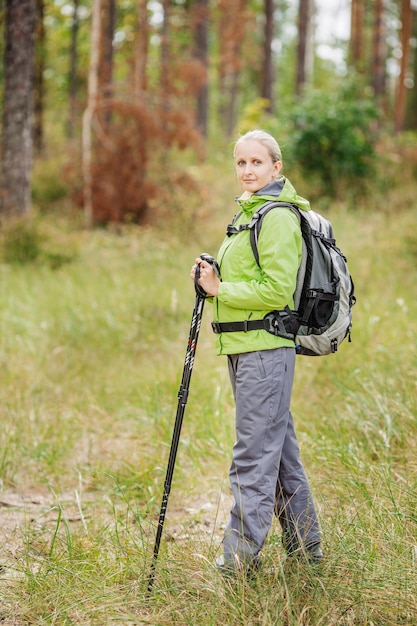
point(324, 295)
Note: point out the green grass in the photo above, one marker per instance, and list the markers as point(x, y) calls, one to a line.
point(91, 355)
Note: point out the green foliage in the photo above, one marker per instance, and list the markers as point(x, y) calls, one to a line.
point(48, 184)
point(334, 138)
point(24, 241)
point(21, 242)
point(254, 115)
point(328, 139)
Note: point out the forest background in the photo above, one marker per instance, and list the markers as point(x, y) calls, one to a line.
point(118, 121)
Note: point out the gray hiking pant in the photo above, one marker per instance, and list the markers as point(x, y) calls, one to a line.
point(266, 474)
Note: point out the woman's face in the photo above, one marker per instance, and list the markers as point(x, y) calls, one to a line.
point(254, 165)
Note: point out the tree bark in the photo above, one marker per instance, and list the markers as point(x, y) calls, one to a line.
point(164, 76)
point(89, 112)
point(401, 96)
point(231, 32)
point(106, 57)
point(357, 35)
point(97, 114)
point(201, 47)
point(267, 87)
point(38, 91)
point(304, 26)
point(379, 51)
point(17, 141)
point(411, 109)
point(141, 51)
point(73, 83)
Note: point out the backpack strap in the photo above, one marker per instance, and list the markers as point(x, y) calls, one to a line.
point(306, 266)
point(231, 228)
point(257, 218)
point(255, 223)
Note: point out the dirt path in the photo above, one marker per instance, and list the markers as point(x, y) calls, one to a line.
point(202, 514)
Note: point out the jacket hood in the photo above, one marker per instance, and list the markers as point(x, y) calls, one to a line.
point(281, 189)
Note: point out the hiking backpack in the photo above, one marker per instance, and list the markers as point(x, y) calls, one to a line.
point(324, 295)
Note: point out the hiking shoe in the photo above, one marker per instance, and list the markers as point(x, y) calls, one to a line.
point(313, 555)
point(226, 569)
point(231, 569)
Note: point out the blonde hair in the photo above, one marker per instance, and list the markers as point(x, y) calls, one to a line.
point(266, 140)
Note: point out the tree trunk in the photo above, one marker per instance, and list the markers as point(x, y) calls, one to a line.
point(38, 91)
point(379, 51)
point(141, 51)
point(73, 83)
point(411, 113)
point(164, 75)
point(357, 35)
point(97, 115)
point(401, 96)
point(89, 112)
point(17, 141)
point(267, 74)
point(106, 56)
point(201, 47)
point(304, 27)
point(231, 32)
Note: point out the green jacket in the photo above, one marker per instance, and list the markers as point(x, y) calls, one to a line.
point(248, 291)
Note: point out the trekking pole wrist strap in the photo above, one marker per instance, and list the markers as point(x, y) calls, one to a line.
point(200, 292)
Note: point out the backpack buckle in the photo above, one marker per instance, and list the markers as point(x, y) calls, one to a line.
point(283, 323)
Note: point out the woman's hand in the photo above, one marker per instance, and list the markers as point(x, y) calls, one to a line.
point(208, 280)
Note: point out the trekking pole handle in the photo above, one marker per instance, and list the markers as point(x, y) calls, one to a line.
point(209, 259)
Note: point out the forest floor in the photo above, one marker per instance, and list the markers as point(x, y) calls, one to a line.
point(201, 515)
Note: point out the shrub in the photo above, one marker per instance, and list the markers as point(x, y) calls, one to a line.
point(334, 138)
point(48, 183)
point(24, 241)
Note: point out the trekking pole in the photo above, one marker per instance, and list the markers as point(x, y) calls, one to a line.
point(201, 295)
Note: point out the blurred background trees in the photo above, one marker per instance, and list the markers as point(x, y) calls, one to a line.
point(115, 90)
point(17, 140)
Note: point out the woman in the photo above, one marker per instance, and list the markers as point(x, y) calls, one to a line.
point(266, 473)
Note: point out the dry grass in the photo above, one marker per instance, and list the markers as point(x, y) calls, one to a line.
point(92, 353)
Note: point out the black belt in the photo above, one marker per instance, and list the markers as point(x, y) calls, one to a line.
point(280, 323)
point(233, 327)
